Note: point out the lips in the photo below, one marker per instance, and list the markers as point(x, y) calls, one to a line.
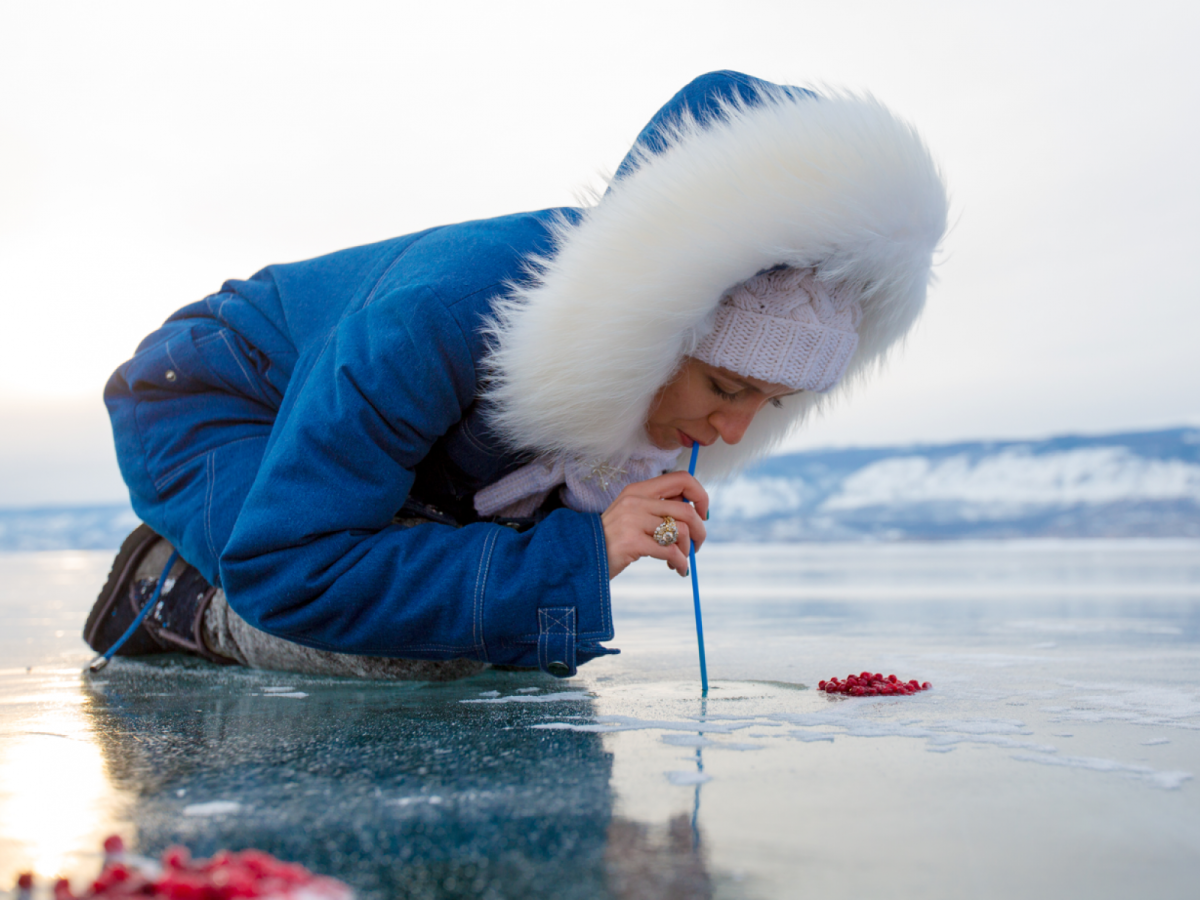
point(687, 440)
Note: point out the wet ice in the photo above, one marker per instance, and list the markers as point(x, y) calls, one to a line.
point(516, 784)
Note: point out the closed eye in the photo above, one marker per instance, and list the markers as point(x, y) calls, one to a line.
point(721, 392)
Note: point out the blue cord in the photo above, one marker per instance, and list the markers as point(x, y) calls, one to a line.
point(102, 660)
point(696, 590)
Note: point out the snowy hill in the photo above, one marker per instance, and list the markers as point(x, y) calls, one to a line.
point(1124, 485)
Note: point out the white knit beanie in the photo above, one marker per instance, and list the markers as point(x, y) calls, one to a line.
point(785, 326)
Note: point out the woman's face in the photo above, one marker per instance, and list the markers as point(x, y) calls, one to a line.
point(702, 403)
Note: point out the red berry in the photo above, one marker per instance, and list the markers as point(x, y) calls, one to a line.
point(893, 679)
point(821, 685)
point(113, 844)
point(25, 881)
point(62, 890)
point(926, 686)
point(176, 858)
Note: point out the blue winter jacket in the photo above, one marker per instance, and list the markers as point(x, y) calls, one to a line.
point(369, 361)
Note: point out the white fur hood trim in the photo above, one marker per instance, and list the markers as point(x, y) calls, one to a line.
point(837, 182)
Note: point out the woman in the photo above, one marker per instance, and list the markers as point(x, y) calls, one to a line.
point(443, 446)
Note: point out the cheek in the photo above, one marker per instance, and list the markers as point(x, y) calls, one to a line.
point(683, 404)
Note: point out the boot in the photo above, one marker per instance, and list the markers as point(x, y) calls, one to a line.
point(176, 622)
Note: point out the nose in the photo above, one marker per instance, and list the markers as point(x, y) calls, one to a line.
point(731, 425)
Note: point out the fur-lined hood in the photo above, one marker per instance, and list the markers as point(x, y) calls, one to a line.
point(732, 177)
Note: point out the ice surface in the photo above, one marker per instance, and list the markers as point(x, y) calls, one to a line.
point(688, 777)
point(213, 808)
point(1167, 780)
point(1065, 769)
point(526, 697)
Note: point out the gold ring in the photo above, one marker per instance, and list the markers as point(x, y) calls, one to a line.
point(667, 533)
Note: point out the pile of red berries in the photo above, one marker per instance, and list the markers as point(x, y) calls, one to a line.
point(868, 685)
point(250, 873)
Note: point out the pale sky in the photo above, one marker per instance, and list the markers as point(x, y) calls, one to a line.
point(149, 151)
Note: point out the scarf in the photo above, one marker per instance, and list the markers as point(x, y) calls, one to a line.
point(587, 485)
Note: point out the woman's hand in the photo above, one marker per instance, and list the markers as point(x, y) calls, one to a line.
point(630, 520)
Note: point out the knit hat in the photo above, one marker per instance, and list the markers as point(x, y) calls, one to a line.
point(785, 326)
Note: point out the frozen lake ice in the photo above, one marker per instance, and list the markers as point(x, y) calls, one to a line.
point(1055, 755)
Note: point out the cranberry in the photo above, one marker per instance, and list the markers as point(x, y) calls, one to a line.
point(25, 881)
point(867, 684)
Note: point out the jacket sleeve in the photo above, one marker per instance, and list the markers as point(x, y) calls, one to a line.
point(314, 557)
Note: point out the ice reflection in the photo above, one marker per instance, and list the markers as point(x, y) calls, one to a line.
point(56, 803)
point(401, 790)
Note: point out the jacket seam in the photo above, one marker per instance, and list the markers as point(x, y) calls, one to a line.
point(164, 480)
point(485, 562)
point(224, 332)
point(211, 472)
point(601, 567)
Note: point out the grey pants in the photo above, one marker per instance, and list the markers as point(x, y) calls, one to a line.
point(228, 634)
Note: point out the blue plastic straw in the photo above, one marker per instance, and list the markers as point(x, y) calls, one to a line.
point(696, 590)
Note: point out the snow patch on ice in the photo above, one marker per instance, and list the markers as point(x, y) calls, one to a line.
point(295, 695)
point(432, 800)
point(1140, 704)
point(213, 808)
point(528, 698)
point(1169, 781)
point(1154, 742)
point(811, 737)
point(944, 733)
point(528, 690)
point(686, 740)
point(489, 693)
point(684, 778)
point(279, 689)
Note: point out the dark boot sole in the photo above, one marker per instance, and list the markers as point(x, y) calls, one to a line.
point(114, 609)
